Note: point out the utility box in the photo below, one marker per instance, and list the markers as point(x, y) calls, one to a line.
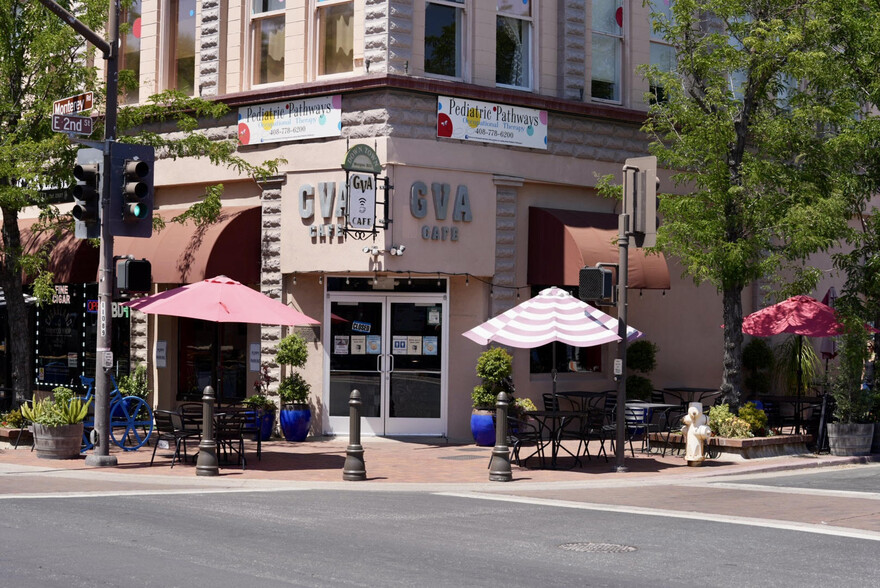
point(134, 275)
point(596, 285)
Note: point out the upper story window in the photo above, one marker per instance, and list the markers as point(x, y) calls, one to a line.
point(335, 36)
point(662, 53)
point(444, 33)
point(607, 43)
point(130, 53)
point(267, 30)
point(513, 43)
point(181, 64)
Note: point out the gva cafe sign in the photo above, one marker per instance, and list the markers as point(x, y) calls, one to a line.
point(434, 208)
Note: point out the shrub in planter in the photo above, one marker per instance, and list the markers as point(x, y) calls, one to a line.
point(265, 409)
point(641, 357)
point(295, 418)
point(852, 431)
point(638, 388)
point(58, 423)
point(755, 417)
point(493, 367)
point(757, 367)
point(726, 424)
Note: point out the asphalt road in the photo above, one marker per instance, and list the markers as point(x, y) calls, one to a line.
point(382, 538)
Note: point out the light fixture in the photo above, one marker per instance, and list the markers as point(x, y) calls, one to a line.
point(375, 279)
point(438, 279)
point(294, 278)
point(397, 250)
point(347, 281)
point(467, 279)
point(320, 279)
point(409, 279)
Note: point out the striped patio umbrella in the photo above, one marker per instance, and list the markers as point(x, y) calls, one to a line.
point(552, 315)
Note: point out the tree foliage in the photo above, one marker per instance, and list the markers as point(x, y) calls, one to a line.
point(42, 60)
point(748, 136)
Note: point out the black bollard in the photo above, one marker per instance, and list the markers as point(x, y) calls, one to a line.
point(207, 463)
point(354, 467)
point(499, 464)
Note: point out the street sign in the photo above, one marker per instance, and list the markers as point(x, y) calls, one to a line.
point(79, 125)
point(73, 104)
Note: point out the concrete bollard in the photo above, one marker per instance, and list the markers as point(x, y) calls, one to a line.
point(354, 468)
point(499, 464)
point(207, 464)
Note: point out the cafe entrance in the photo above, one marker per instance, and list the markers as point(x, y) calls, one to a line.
point(390, 346)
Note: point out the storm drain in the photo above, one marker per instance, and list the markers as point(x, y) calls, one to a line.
point(597, 547)
point(463, 457)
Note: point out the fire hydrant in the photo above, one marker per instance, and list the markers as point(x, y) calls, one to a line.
point(696, 430)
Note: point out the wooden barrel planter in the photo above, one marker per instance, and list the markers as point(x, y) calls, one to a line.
point(61, 442)
point(850, 438)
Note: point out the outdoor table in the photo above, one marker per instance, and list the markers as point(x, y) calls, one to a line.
point(552, 422)
point(687, 394)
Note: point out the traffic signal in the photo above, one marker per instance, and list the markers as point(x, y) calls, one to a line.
point(640, 185)
point(87, 194)
point(131, 190)
point(134, 275)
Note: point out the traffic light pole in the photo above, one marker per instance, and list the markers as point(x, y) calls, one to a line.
point(104, 354)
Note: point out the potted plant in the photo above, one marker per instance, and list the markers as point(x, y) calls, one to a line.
point(641, 357)
point(296, 415)
point(852, 430)
point(57, 423)
point(265, 410)
point(493, 366)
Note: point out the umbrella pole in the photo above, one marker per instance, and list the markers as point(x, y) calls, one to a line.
point(797, 418)
point(553, 363)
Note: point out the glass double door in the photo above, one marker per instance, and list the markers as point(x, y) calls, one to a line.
point(391, 349)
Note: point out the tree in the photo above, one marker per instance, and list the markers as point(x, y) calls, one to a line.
point(748, 139)
point(42, 60)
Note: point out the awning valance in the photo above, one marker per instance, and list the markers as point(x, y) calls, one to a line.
point(561, 242)
point(72, 260)
point(184, 253)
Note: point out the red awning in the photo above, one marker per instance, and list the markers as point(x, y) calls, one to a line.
point(184, 253)
point(561, 242)
point(72, 260)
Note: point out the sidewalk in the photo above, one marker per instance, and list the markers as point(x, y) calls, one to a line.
point(404, 461)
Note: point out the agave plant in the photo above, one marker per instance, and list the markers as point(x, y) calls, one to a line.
point(62, 409)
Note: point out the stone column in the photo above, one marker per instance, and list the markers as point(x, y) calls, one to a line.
point(505, 244)
point(571, 40)
point(388, 35)
point(208, 66)
point(270, 269)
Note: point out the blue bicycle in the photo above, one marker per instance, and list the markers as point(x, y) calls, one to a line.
point(131, 418)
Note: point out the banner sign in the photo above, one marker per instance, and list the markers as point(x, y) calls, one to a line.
point(291, 120)
point(487, 122)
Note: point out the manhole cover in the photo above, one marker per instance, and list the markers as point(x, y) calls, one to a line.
point(597, 547)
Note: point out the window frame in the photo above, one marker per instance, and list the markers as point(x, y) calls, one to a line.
point(620, 40)
point(318, 35)
point(461, 37)
point(170, 49)
point(123, 44)
point(529, 59)
point(657, 41)
point(254, 21)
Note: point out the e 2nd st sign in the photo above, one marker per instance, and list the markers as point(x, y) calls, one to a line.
point(80, 125)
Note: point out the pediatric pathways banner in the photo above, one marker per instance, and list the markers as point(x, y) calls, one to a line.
point(292, 120)
point(472, 120)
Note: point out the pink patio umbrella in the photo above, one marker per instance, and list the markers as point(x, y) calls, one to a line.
point(552, 315)
point(221, 300)
point(798, 315)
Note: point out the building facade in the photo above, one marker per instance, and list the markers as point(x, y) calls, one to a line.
point(491, 123)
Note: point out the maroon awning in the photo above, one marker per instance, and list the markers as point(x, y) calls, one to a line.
point(561, 242)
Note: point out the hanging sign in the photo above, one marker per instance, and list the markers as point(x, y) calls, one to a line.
point(361, 201)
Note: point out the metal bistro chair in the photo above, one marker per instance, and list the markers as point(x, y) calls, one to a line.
point(229, 434)
point(169, 426)
point(520, 433)
point(637, 422)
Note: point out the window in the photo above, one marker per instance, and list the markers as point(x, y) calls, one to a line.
point(513, 43)
point(130, 53)
point(199, 363)
point(662, 54)
point(335, 37)
point(568, 359)
point(607, 41)
point(444, 24)
point(267, 28)
point(182, 46)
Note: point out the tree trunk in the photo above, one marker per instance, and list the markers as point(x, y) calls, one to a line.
point(731, 378)
point(19, 336)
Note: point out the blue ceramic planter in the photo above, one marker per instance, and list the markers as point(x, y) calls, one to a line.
point(295, 422)
point(483, 429)
point(267, 422)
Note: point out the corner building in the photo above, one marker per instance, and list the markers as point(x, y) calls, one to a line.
point(492, 122)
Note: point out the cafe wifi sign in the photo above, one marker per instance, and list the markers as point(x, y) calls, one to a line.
point(487, 122)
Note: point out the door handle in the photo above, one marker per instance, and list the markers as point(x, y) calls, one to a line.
point(391, 357)
point(379, 363)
